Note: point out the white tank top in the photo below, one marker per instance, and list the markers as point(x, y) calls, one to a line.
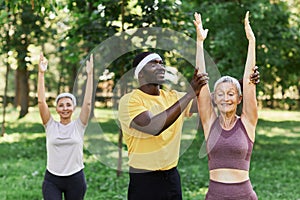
point(64, 147)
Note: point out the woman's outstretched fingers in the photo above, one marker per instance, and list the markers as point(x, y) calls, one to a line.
point(43, 63)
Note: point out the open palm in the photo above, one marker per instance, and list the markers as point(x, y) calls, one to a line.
point(90, 65)
point(43, 63)
point(248, 29)
point(201, 33)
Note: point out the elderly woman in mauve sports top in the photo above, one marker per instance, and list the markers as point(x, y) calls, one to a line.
point(229, 137)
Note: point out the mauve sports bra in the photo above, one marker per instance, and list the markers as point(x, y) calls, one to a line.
point(229, 148)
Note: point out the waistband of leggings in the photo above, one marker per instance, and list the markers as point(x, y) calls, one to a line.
point(48, 173)
point(135, 170)
point(240, 190)
point(237, 183)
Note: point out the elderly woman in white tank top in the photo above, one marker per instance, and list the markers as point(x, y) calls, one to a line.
point(64, 139)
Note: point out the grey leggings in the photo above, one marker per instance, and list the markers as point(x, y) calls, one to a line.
point(73, 187)
point(232, 191)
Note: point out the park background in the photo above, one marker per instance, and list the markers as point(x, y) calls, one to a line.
point(68, 31)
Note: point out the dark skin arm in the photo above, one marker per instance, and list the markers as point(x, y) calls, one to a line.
point(155, 125)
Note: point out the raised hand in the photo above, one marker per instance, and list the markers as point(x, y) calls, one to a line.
point(90, 65)
point(248, 29)
point(43, 64)
point(201, 33)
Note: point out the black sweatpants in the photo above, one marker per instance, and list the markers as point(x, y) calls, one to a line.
point(73, 187)
point(155, 185)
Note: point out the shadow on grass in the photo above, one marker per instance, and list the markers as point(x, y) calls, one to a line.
point(275, 160)
point(284, 128)
point(24, 127)
point(275, 163)
point(24, 148)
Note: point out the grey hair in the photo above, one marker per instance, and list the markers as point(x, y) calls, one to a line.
point(229, 79)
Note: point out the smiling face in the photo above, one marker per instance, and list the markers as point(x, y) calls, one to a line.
point(227, 97)
point(65, 108)
point(153, 72)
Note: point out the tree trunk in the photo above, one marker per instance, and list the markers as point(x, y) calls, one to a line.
point(272, 105)
point(120, 145)
point(22, 74)
point(23, 93)
point(298, 100)
point(5, 99)
point(22, 85)
point(4, 103)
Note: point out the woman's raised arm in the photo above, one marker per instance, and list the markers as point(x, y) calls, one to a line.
point(42, 104)
point(205, 107)
point(250, 113)
point(87, 101)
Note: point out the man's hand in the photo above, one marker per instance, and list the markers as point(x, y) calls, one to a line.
point(198, 81)
point(254, 77)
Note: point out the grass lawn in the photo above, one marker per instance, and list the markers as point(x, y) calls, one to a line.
point(274, 173)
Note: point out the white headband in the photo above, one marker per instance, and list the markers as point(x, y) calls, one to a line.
point(69, 95)
point(143, 62)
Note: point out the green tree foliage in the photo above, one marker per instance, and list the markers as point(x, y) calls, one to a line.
point(68, 30)
point(276, 26)
point(22, 27)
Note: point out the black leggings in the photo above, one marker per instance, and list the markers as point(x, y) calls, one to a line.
point(155, 185)
point(73, 187)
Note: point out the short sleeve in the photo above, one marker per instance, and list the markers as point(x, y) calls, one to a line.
point(49, 123)
point(48, 126)
point(130, 106)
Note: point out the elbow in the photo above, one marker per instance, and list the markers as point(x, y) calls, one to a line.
point(87, 106)
point(88, 109)
point(41, 101)
point(147, 128)
point(156, 132)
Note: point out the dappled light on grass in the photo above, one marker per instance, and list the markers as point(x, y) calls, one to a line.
point(279, 123)
point(276, 131)
point(279, 115)
point(17, 137)
point(275, 163)
point(287, 128)
point(197, 194)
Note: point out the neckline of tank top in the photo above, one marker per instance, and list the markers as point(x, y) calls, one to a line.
point(234, 123)
point(228, 132)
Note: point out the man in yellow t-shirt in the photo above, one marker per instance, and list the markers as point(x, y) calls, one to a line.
point(151, 120)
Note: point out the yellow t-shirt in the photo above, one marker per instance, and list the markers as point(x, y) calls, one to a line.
point(146, 151)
